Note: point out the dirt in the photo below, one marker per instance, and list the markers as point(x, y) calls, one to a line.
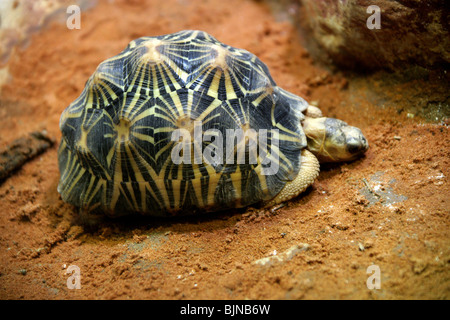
point(387, 211)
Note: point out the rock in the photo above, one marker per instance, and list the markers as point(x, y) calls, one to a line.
point(418, 265)
point(412, 32)
point(19, 19)
point(283, 256)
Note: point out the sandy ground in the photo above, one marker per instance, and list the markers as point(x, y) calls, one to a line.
point(388, 210)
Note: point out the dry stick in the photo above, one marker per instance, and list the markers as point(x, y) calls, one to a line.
point(371, 189)
point(22, 150)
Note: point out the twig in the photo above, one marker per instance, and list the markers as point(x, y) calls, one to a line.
point(21, 151)
point(370, 188)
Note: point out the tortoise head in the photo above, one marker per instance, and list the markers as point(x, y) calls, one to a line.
point(333, 140)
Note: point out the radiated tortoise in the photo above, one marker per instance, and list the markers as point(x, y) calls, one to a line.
point(182, 123)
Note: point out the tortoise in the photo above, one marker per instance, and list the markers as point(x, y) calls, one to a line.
point(147, 134)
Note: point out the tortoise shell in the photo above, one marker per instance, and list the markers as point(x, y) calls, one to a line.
point(118, 154)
